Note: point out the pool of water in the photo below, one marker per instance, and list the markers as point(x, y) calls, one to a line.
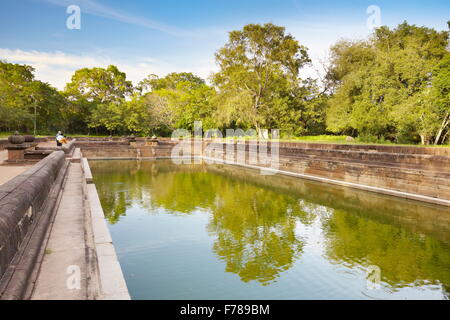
point(224, 232)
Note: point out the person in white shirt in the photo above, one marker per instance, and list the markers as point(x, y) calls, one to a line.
point(59, 139)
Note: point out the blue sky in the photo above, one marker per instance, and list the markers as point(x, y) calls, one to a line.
point(143, 37)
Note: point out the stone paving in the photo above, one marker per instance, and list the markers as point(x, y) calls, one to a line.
point(9, 172)
point(63, 272)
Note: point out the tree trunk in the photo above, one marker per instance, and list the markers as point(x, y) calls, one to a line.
point(255, 114)
point(441, 129)
point(445, 137)
point(424, 139)
point(257, 128)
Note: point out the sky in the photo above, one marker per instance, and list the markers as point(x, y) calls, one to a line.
point(159, 37)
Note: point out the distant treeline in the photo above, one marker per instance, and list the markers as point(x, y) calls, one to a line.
point(393, 86)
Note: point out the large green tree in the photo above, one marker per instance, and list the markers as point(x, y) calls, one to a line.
point(178, 100)
point(97, 96)
point(25, 101)
point(441, 99)
point(385, 85)
point(15, 96)
point(50, 107)
point(258, 81)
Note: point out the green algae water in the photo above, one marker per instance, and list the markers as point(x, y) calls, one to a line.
point(224, 232)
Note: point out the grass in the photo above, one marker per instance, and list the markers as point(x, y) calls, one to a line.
point(87, 135)
point(321, 138)
point(338, 140)
point(4, 135)
point(343, 140)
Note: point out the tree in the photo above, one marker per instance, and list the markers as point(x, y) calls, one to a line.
point(97, 92)
point(171, 81)
point(21, 95)
point(50, 106)
point(259, 68)
point(180, 98)
point(441, 95)
point(15, 83)
point(384, 84)
point(99, 84)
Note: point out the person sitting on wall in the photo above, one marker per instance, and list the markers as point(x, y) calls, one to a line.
point(60, 139)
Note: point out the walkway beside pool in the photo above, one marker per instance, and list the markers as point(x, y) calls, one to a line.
point(63, 272)
point(75, 259)
point(80, 262)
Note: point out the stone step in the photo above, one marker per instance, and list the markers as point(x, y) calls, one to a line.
point(392, 158)
point(410, 169)
point(76, 156)
point(427, 167)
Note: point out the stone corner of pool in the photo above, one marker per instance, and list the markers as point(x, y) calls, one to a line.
point(110, 280)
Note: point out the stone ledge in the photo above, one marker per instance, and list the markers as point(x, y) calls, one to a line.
point(69, 148)
point(112, 282)
point(420, 173)
point(86, 171)
point(400, 194)
point(76, 156)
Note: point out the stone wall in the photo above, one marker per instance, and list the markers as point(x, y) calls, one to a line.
point(104, 148)
point(68, 149)
point(417, 170)
point(370, 148)
point(417, 173)
point(21, 202)
point(4, 142)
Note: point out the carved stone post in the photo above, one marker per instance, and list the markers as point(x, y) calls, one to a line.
point(16, 148)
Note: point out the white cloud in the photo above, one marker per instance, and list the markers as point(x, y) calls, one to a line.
point(58, 67)
point(97, 9)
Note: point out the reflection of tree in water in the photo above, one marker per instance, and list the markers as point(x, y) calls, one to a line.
point(405, 258)
point(255, 227)
point(255, 231)
point(114, 206)
point(254, 224)
point(118, 183)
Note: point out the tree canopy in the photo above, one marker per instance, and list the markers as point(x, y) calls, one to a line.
point(20, 94)
point(258, 82)
point(392, 86)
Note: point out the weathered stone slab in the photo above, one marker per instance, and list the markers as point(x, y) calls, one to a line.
point(113, 285)
point(87, 171)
